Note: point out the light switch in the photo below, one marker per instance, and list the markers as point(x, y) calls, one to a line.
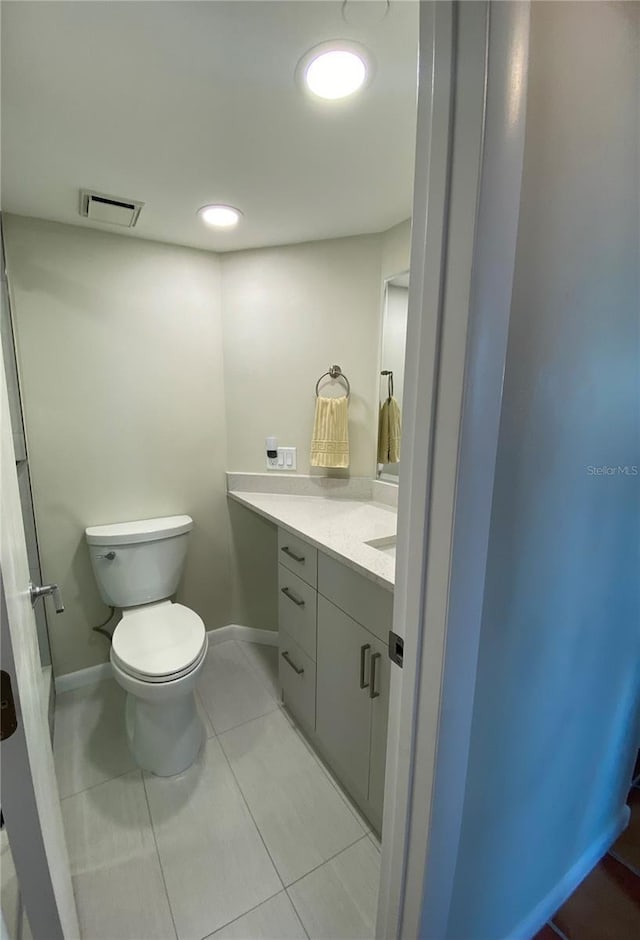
point(286, 459)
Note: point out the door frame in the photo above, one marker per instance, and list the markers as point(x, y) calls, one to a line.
point(469, 153)
point(21, 811)
point(28, 786)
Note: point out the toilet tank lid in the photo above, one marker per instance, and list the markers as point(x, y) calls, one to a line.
point(142, 530)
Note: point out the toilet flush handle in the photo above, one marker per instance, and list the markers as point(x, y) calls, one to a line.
point(109, 556)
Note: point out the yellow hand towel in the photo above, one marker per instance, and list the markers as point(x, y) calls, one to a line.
point(389, 432)
point(330, 442)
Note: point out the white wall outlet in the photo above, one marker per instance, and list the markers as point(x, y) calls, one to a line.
point(285, 461)
point(287, 458)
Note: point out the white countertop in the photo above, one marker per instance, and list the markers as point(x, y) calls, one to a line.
point(340, 527)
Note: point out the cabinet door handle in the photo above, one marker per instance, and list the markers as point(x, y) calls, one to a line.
point(292, 597)
point(372, 690)
point(363, 656)
point(292, 554)
point(297, 669)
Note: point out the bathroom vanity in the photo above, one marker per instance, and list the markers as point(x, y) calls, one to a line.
point(335, 571)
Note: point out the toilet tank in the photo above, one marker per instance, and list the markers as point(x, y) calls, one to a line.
point(138, 562)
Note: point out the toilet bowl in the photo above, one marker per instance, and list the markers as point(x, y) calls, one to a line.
point(159, 674)
point(158, 647)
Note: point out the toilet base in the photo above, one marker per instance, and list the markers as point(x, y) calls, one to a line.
point(164, 738)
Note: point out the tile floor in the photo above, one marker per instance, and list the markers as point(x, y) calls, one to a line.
point(606, 906)
point(256, 840)
point(14, 915)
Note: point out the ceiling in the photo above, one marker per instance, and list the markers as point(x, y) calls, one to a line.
point(179, 104)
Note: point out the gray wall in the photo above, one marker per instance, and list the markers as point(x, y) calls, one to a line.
point(289, 313)
point(120, 354)
point(557, 697)
point(131, 406)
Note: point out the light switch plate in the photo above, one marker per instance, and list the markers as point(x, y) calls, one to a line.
point(286, 461)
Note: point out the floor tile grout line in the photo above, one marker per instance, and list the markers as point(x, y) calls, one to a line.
point(242, 723)
point(246, 659)
point(246, 721)
point(200, 700)
point(155, 842)
point(617, 858)
point(280, 708)
point(324, 862)
point(298, 914)
point(557, 930)
point(364, 835)
point(250, 911)
point(254, 668)
point(377, 847)
point(362, 822)
point(622, 861)
point(246, 803)
point(254, 672)
point(92, 786)
point(327, 860)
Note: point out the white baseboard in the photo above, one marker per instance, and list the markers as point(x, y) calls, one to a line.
point(75, 680)
point(233, 631)
point(544, 911)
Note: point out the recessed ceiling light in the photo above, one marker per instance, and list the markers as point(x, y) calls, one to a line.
point(220, 216)
point(334, 70)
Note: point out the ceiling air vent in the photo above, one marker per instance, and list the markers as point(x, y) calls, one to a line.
point(112, 209)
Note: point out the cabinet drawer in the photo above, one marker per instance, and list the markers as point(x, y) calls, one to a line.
point(297, 603)
point(298, 556)
point(298, 681)
point(364, 600)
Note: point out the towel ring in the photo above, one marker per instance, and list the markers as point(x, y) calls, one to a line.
point(389, 374)
point(335, 372)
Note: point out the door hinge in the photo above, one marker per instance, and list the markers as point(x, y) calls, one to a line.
point(396, 648)
point(8, 719)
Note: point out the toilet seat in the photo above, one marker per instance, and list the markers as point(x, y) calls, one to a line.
point(159, 642)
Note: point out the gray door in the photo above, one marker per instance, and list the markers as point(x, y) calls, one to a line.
point(343, 718)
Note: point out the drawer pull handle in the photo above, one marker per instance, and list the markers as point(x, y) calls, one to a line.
point(292, 554)
point(292, 597)
point(297, 669)
point(372, 690)
point(363, 657)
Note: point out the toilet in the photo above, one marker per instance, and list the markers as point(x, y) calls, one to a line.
point(159, 647)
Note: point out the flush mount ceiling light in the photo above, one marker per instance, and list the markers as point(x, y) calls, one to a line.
point(220, 216)
point(334, 70)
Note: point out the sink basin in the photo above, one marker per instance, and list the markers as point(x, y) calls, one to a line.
point(386, 545)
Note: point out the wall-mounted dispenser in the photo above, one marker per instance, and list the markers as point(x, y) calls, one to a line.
point(272, 453)
point(280, 458)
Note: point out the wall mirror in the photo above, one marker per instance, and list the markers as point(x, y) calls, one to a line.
point(392, 348)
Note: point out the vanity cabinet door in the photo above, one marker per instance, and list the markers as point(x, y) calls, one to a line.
point(381, 669)
point(343, 708)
